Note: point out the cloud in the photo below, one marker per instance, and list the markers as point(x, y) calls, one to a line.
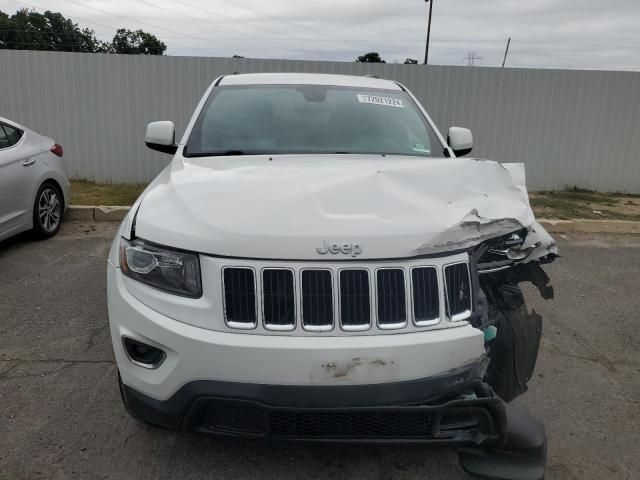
point(545, 33)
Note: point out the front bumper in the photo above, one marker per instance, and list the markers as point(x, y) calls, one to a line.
point(419, 388)
point(195, 354)
point(495, 440)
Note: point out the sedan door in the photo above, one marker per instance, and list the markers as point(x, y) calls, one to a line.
point(16, 197)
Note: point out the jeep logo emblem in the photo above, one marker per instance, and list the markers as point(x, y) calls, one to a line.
point(352, 249)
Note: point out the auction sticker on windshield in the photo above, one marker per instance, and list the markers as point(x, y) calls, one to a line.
point(387, 101)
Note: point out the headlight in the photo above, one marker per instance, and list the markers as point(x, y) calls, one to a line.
point(501, 252)
point(172, 271)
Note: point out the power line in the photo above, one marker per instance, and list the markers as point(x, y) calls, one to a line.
point(122, 16)
point(217, 25)
point(67, 16)
point(111, 29)
point(178, 34)
point(175, 36)
point(217, 14)
point(242, 6)
point(47, 46)
point(175, 12)
point(295, 24)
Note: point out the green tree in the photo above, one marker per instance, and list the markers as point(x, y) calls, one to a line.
point(411, 61)
point(5, 27)
point(136, 42)
point(29, 30)
point(371, 57)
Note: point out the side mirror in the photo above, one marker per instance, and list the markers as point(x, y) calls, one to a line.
point(161, 136)
point(460, 140)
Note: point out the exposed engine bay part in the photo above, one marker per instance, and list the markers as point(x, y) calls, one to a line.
point(513, 347)
point(519, 247)
point(514, 350)
point(512, 332)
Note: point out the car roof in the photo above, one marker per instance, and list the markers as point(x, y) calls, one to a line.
point(308, 79)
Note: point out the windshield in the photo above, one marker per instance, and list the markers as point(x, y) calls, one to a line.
point(303, 119)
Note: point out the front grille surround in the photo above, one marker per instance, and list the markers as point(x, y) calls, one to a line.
point(416, 320)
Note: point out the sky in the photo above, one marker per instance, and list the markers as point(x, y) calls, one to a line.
point(583, 34)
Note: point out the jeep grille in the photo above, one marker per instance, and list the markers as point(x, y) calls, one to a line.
point(321, 298)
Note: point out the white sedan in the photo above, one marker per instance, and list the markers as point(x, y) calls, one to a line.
point(34, 186)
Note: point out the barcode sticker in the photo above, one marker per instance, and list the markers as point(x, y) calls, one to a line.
point(377, 100)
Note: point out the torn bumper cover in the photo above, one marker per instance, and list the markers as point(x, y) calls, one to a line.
point(457, 409)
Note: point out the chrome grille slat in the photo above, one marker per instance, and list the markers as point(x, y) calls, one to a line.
point(355, 299)
point(426, 295)
point(391, 297)
point(317, 300)
point(278, 299)
point(458, 290)
point(240, 297)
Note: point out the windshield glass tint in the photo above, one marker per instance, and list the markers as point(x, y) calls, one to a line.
point(311, 119)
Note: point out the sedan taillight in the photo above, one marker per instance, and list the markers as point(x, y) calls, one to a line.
point(57, 150)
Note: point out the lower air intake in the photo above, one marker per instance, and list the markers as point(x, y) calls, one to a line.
point(351, 424)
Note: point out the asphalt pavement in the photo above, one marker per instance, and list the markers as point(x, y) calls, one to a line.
point(61, 415)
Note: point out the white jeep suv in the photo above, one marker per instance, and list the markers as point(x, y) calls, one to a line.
point(316, 263)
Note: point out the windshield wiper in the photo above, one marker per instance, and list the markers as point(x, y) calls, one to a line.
point(220, 154)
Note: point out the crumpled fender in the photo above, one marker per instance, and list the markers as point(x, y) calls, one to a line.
point(538, 243)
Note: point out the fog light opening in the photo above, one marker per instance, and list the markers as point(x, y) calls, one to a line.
point(142, 354)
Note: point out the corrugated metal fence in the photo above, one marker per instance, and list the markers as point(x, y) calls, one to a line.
point(569, 127)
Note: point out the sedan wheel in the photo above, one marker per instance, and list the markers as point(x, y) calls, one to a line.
point(47, 213)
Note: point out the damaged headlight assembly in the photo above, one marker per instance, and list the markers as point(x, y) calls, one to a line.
point(503, 252)
point(172, 271)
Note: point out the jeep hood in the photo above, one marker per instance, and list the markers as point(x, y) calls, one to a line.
point(285, 207)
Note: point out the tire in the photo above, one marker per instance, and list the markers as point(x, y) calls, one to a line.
point(48, 210)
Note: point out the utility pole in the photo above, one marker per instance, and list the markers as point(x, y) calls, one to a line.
point(426, 50)
point(506, 52)
point(471, 58)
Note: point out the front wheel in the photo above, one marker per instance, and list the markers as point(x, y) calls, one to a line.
point(47, 211)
